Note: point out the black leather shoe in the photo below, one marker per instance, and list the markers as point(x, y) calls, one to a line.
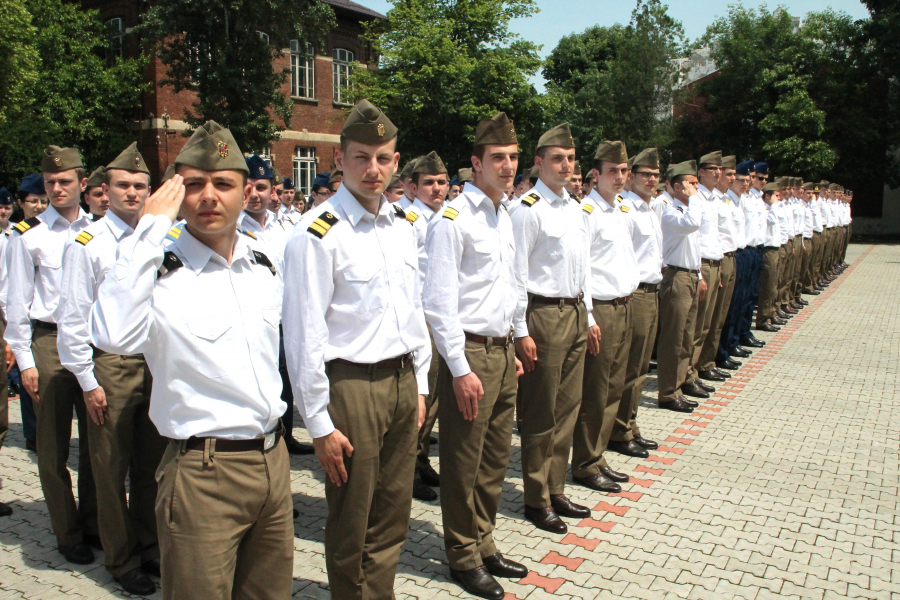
point(724, 374)
point(423, 492)
point(430, 476)
point(677, 405)
point(739, 352)
point(5, 509)
point(92, 540)
point(781, 314)
point(563, 507)
point(599, 482)
point(615, 475)
point(296, 513)
point(79, 554)
point(689, 402)
point(796, 306)
point(295, 447)
point(768, 327)
point(546, 519)
point(789, 311)
point(694, 390)
point(752, 343)
point(500, 566)
point(648, 444)
point(629, 448)
point(31, 445)
point(152, 566)
point(705, 386)
point(779, 321)
point(754, 339)
point(478, 582)
point(433, 440)
point(731, 365)
point(136, 582)
point(802, 302)
point(811, 292)
point(710, 376)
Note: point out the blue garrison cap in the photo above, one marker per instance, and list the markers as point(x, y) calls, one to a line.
point(5, 197)
point(744, 167)
point(33, 184)
point(288, 183)
point(454, 181)
point(762, 168)
point(259, 169)
point(321, 180)
point(517, 180)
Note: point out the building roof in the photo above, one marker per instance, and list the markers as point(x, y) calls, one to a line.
point(355, 8)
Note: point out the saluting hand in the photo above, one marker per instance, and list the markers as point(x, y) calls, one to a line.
point(167, 199)
point(593, 343)
point(468, 391)
point(330, 450)
point(526, 349)
point(95, 401)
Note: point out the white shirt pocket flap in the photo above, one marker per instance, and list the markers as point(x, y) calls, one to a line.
point(360, 273)
point(485, 246)
point(208, 329)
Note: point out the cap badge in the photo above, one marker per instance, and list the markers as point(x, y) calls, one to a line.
point(223, 149)
point(262, 171)
point(137, 161)
point(329, 216)
point(57, 161)
point(380, 129)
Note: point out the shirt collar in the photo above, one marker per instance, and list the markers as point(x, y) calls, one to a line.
point(637, 200)
point(600, 202)
point(704, 192)
point(198, 254)
point(424, 209)
point(676, 203)
point(476, 197)
point(50, 216)
point(117, 226)
point(730, 193)
point(248, 222)
point(548, 194)
point(354, 210)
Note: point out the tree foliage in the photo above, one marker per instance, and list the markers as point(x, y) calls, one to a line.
point(224, 51)
point(615, 83)
point(77, 97)
point(18, 56)
point(446, 64)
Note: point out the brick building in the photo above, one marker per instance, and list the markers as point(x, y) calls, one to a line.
point(317, 85)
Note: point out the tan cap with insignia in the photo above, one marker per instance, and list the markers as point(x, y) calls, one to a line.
point(577, 170)
point(614, 152)
point(98, 177)
point(395, 180)
point(464, 175)
point(729, 162)
point(648, 157)
point(212, 148)
point(430, 164)
point(129, 160)
point(368, 125)
point(496, 131)
point(409, 167)
point(809, 186)
point(558, 137)
point(772, 187)
point(688, 167)
point(57, 160)
point(535, 173)
point(713, 158)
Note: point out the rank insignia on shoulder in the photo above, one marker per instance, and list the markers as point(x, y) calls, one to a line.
point(624, 208)
point(262, 259)
point(588, 208)
point(727, 200)
point(411, 217)
point(450, 213)
point(679, 209)
point(323, 224)
point(83, 238)
point(248, 233)
point(23, 226)
point(170, 263)
point(174, 233)
point(620, 198)
point(531, 198)
point(399, 211)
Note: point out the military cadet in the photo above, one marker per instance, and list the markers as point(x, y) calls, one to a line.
point(815, 207)
point(454, 189)
point(470, 298)
point(334, 180)
point(785, 253)
point(257, 218)
point(800, 245)
point(757, 212)
point(752, 208)
point(31, 198)
point(523, 183)
point(574, 186)
point(358, 354)
point(430, 185)
point(6, 209)
point(277, 189)
point(288, 215)
point(204, 310)
point(613, 278)
point(772, 255)
point(35, 278)
point(124, 443)
point(406, 182)
point(711, 261)
point(681, 286)
point(662, 200)
point(287, 196)
point(95, 197)
point(320, 190)
point(464, 175)
point(551, 329)
point(394, 191)
point(646, 237)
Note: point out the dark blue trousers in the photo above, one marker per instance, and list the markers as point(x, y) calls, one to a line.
point(755, 265)
point(731, 327)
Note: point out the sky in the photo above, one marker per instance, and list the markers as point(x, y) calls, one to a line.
point(559, 18)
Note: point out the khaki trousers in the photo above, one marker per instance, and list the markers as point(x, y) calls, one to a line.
point(4, 391)
point(549, 396)
point(126, 445)
point(678, 305)
point(644, 320)
point(604, 379)
point(225, 522)
point(475, 454)
point(368, 516)
point(423, 447)
point(710, 347)
point(60, 395)
point(819, 265)
point(706, 309)
point(785, 256)
point(805, 281)
point(768, 285)
point(799, 254)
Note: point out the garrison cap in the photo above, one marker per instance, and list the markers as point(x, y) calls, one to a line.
point(336, 177)
point(288, 183)
point(782, 181)
point(688, 167)
point(824, 184)
point(33, 184)
point(613, 152)
point(631, 162)
point(729, 162)
point(577, 170)
point(277, 179)
point(430, 164)
point(368, 125)
point(761, 168)
point(395, 180)
point(97, 178)
point(660, 187)
point(321, 180)
point(258, 168)
point(560, 137)
point(534, 173)
point(409, 167)
point(713, 158)
point(129, 160)
point(809, 186)
point(170, 172)
point(57, 160)
point(496, 131)
point(212, 148)
point(5, 197)
point(454, 181)
point(772, 187)
point(648, 157)
point(798, 182)
point(464, 175)
point(744, 168)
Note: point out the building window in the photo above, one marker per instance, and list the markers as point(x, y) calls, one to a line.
point(263, 36)
point(115, 33)
point(302, 70)
point(342, 60)
point(304, 169)
point(266, 155)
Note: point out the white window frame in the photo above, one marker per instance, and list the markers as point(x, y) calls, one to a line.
point(303, 71)
point(304, 169)
point(115, 33)
point(341, 68)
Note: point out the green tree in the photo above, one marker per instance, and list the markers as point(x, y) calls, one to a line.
point(881, 33)
point(225, 52)
point(80, 99)
point(615, 83)
point(446, 64)
point(18, 56)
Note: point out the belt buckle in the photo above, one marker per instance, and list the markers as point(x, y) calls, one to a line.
point(269, 441)
point(404, 360)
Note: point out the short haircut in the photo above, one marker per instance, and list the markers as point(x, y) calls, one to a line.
point(318, 188)
point(479, 151)
point(106, 178)
point(415, 177)
point(79, 173)
point(678, 179)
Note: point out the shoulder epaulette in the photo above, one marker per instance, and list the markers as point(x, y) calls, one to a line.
point(246, 232)
point(399, 211)
point(679, 209)
point(262, 259)
point(411, 217)
point(624, 208)
point(174, 233)
point(23, 226)
point(620, 198)
point(588, 208)
point(83, 238)
point(531, 198)
point(450, 213)
point(322, 224)
point(170, 263)
point(666, 200)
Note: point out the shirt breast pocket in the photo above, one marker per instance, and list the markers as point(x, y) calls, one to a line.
point(363, 282)
point(210, 343)
point(486, 259)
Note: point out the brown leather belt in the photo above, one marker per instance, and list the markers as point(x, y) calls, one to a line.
point(710, 262)
point(254, 445)
point(388, 363)
point(648, 287)
point(729, 254)
point(567, 301)
point(493, 341)
point(674, 268)
point(43, 325)
point(616, 301)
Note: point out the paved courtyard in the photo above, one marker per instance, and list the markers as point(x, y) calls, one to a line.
point(783, 485)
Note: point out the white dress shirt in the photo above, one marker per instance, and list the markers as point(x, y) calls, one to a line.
point(660, 203)
point(681, 238)
point(353, 294)
point(35, 277)
point(784, 232)
point(728, 226)
point(273, 235)
point(420, 216)
point(646, 237)
point(710, 246)
point(208, 330)
point(807, 220)
point(552, 251)
point(471, 280)
point(740, 219)
point(405, 202)
point(4, 274)
point(774, 237)
point(84, 267)
point(614, 268)
point(756, 212)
